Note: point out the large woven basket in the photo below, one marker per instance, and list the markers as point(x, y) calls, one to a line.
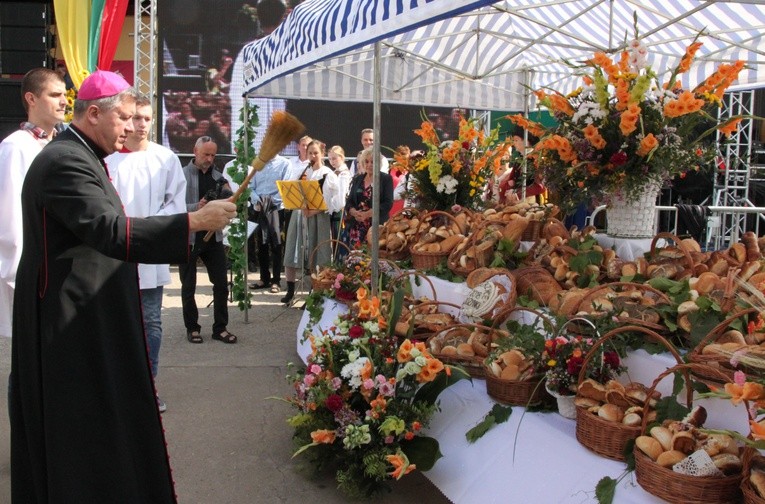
point(427, 260)
point(319, 285)
point(661, 298)
point(719, 361)
point(422, 330)
point(517, 392)
point(481, 258)
point(403, 214)
point(604, 437)
point(680, 488)
point(750, 494)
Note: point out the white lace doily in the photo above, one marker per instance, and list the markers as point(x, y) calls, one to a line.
point(698, 463)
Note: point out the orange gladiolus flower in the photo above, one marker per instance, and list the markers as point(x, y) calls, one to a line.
point(561, 104)
point(749, 391)
point(401, 465)
point(629, 119)
point(758, 429)
point(647, 144)
point(428, 133)
point(405, 351)
point(728, 128)
point(690, 52)
point(593, 136)
point(323, 436)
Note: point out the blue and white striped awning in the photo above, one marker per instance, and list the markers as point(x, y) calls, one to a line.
point(479, 54)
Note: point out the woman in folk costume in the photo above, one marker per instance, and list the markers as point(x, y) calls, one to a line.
point(316, 222)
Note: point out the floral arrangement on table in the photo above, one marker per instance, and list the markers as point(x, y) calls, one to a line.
point(356, 271)
point(455, 172)
point(563, 358)
point(624, 129)
point(364, 398)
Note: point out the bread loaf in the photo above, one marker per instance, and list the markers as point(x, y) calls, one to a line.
point(649, 446)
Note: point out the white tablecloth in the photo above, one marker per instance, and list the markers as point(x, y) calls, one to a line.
point(533, 457)
point(628, 249)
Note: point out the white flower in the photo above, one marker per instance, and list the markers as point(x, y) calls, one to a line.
point(352, 371)
point(447, 184)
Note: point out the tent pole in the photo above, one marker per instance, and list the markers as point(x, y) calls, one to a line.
point(376, 173)
point(526, 95)
point(246, 115)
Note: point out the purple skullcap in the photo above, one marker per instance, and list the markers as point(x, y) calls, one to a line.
point(101, 84)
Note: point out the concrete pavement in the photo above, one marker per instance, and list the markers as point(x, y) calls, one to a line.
point(228, 442)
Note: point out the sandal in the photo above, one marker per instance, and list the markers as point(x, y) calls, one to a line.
point(194, 337)
point(275, 288)
point(225, 337)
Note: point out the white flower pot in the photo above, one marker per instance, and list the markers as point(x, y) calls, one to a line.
point(633, 219)
point(566, 406)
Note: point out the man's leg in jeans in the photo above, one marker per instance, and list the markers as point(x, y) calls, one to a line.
point(151, 303)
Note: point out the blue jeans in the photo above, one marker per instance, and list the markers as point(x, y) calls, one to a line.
point(151, 303)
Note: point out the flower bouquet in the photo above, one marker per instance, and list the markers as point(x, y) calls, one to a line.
point(625, 131)
point(563, 357)
point(455, 172)
point(363, 400)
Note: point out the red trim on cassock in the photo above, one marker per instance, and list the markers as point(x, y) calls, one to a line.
point(42, 281)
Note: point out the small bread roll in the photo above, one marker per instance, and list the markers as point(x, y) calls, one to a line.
point(511, 372)
point(732, 336)
point(452, 241)
point(586, 402)
point(465, 350)
point(757, 479)
point(449, 350)
point(512, 357)
point(649, 446)
point(663, 436)
point(611, 413)
point(591, 389)
point(632, 419)
point(727, 463)
point(684, 442)
point(670, 458)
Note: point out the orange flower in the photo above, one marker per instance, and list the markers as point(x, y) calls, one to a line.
point(758, 429)
point(602, 60)
point(686, 103)
point(405, 351)
point(560, 104)
point(729, 127)
point(379, 404)
point(647, 144)
point(593, 136)
point(401, 465)
point(323, 436)
point(749, 391)
point(428, 133)
point(629, 119)
point(690, 52)
point(430, 370)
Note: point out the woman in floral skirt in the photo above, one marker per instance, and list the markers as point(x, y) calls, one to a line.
point(358, 207)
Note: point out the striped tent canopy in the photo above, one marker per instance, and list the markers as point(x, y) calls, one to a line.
point(481, 54)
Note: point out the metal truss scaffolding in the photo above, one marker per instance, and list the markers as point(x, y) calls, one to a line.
point(145, 62)
point(732, 179)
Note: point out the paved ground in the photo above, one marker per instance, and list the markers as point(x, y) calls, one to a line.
point(228, 442)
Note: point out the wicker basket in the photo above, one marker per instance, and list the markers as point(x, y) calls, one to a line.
point(402, 254)
point(482, 258)
point(427, 260)
point(316, 284)
point(532, 231)
point(750, 494)
point(674, 487)
point(423, 330)
point(718, 361)
point(517, 392)
point(617, 287)
point(473, 365)
point(416, 274)
point(604, 437)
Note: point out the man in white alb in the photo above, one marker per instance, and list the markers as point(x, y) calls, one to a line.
point(43, 94)
point(149, 180)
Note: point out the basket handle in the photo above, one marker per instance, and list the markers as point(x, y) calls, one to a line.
point(686, 369)
point(408, 273)
point(318, 245)
point(630, 328)
point(719, 328)
point(433, 213)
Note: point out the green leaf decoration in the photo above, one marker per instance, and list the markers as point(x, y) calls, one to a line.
point(423, 452)
point(605, 489)
point(397, 303)
point(497, 415)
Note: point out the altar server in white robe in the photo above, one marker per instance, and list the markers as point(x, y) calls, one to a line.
point(149, 180)
point(43, 94)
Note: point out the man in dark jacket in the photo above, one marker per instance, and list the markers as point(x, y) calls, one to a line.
point(84, 421)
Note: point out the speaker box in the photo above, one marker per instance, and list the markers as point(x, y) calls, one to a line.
point(24, 36)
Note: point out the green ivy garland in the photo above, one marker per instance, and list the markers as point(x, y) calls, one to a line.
point(237, 237)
